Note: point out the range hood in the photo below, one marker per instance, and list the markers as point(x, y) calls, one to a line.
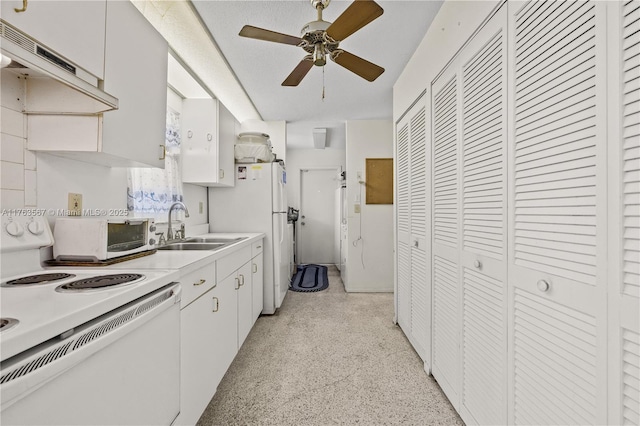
point(53, 84)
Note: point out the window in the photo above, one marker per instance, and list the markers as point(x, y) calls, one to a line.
point(151, 191)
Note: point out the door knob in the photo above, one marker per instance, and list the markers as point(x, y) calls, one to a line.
point(477, 264)
point(543, 285)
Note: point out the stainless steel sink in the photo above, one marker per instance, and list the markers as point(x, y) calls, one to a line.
point(192, 246)
point(224, 241)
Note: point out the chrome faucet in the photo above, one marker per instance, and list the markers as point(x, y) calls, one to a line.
point(186, 214)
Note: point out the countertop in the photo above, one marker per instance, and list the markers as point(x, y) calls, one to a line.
point(188, 260)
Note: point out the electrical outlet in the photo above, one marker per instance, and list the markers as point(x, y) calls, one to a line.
point(356, 208)
point(75, 204)
point(201, 207)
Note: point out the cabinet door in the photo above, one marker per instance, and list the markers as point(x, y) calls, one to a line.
point(483, 72)
point(624, 213)
point(136, 73)
point(200, 141)
point(227, 136)
point(557, 213)
point(226, 326)
point(200, 371)
point(245, 302)
point(420, 216)
point(403, 233)
point(445, 235)
point(74, 29)
point(257, 286)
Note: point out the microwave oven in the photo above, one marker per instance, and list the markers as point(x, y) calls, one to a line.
point(95, 239)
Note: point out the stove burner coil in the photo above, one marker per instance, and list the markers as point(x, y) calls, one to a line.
point(99, 282)
point(7, 323)
point(38, 279)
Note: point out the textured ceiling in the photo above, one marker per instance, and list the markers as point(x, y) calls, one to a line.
point(261, 66)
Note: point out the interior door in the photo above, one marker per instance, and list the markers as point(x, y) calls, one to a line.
point(557, 213)
point(317, 215)
point(624, 213)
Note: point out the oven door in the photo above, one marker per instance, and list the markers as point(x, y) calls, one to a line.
point(120, 369)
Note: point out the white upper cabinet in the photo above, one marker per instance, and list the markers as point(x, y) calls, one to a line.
point(135, 73)
point(209, 133)
point(73, 29)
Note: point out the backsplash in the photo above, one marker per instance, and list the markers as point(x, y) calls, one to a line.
point(18, 182)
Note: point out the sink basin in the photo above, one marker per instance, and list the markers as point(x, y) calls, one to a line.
point(213, 240)
point(192, 246)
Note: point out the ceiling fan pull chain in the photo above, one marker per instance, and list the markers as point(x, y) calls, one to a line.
point(323, 84)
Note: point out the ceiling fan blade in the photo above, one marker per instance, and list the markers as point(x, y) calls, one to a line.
point(298, 73)
point(357, 15)
point(365, 69)
point(268, 35)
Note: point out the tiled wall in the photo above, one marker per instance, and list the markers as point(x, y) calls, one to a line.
point(17, 165)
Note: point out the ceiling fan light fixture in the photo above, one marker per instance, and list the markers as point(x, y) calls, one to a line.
point(319, 58)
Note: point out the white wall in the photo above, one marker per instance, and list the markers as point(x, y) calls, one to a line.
point(456, 21)
point(277, 131)
point(370, 234)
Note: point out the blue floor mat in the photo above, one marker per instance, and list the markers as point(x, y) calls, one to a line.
point(310, 278)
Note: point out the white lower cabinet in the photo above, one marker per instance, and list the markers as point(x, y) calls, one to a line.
point(216, 317)
point(257, 285)
point(245, 302)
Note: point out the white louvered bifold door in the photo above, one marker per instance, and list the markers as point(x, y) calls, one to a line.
point(624, 213)
point(403, 220)
point(557, 213)
point(445, 234)
point(420, 287)
point(484, 225)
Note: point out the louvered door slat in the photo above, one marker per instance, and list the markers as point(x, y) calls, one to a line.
point(631, 147)
point(418, 174)
point(403, 197)
point(557, 138)
point(445, 212)
point(556, 358)
point(630, 377)
point(445, 320)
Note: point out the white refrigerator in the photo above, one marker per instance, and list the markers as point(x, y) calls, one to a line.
point(258, 203)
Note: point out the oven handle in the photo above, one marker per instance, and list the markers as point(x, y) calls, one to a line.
point(86, 340)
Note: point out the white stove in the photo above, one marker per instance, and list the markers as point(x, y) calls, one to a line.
point(45, 310)
point(90, 330)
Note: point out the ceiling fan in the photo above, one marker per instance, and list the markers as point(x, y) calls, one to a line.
point(321, 39)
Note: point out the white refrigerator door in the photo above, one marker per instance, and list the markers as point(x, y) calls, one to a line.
point(279, 191)
point(280, 257)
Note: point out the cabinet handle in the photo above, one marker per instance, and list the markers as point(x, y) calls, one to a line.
point(209, 137)
point(24, 7)
point(217, 304)
point(237, 283)
point(543, 286)
point(163, 152)
point(415, 243)
point(258, 247)
point(200, 282)
point(221, 173)
point(255, 268)
point(241, 280)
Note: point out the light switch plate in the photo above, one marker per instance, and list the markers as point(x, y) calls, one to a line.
point(75, 204)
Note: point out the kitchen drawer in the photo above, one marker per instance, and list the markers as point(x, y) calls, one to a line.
point(256, 248)
point(196, 283)
point(231, 263)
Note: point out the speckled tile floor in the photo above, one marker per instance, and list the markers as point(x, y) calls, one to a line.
point(329, 358)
